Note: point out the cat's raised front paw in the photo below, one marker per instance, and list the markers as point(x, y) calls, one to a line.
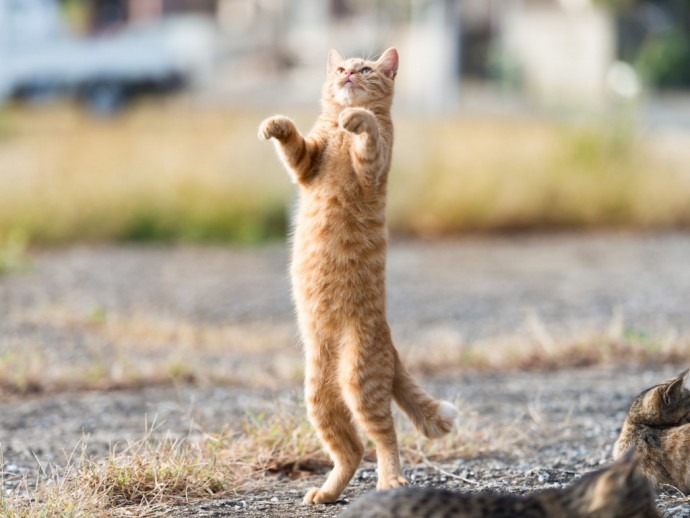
point(317, 496)
point(278, 127)
point(356, 120)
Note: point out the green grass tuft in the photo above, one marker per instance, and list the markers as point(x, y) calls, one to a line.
point(14, 255)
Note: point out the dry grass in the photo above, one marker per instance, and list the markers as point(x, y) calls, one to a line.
point(154, 472)
point(160, 172)
point(483, 175)
point(101, 351)
point(130, 352)
point(538, 348)
point(158, 471)
point(170, 171)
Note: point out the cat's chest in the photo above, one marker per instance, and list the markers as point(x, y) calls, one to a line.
point(337, 149)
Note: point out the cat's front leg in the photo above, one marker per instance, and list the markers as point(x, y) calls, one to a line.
point(358, 121)
point(298, 154)
point(278, 127)
point(367, 155)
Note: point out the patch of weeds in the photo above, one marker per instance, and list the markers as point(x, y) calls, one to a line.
point(97, 315)
point(59, 493)
point(14, 254)
point(181, 371)
point(155, 471)
point(284, 441)
point(21, 372)
point(538, 348)
point(97, 374)
point(163, 470)
point(642, 339)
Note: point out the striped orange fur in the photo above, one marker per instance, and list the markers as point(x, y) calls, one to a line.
point(353, 371)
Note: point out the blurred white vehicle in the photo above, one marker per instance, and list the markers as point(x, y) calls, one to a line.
point(39, 57)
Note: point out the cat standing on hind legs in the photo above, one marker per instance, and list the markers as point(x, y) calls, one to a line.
point(353, 371)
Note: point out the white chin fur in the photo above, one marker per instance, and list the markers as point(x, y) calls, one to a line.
point(345, 96)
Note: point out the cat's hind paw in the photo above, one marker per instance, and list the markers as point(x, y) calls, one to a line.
point(317, 496)
point(278, 127)
point(391, 483)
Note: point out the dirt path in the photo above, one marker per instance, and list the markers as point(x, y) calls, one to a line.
point(551, 426)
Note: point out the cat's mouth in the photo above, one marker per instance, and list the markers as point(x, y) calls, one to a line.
point(347, 91)
point(349, 83)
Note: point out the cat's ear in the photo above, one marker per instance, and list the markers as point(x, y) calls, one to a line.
point(685, 377)
point(672, 391)
point(388, 62)
point(334, 59)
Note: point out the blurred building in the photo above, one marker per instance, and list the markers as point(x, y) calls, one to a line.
point(552, 51)
point(557, 51)
point(104, 14)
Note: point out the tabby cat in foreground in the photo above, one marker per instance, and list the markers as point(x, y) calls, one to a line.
point(338, 273)
point(618, 491)
point(658, 427)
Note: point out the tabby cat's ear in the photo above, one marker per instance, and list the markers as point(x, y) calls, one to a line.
point(388, 62)
point(673, 390)
point(684, 378)
point(334, 59)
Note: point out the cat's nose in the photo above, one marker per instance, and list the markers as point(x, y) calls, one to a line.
point(349, 72)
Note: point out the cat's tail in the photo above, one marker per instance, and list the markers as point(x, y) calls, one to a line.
point(431, 417)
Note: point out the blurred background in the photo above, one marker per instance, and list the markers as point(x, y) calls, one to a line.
point(135, 120)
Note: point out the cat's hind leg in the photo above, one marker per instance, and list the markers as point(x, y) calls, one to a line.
point(338, 434)
point(367, 388)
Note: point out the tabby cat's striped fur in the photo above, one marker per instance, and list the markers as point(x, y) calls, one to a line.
point(658, 427)
point(618, 491)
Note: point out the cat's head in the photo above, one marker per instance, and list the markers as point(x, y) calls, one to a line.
point(360, 82)
point(666, 404)
point(617, 491)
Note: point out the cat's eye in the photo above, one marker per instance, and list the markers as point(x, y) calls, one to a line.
point(339, 70)
point(366, 70)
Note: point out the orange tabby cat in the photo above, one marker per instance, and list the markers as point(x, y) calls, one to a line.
point(658, 427)
point(338, 273)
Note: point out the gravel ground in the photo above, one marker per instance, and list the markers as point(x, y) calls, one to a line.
point(553, 426)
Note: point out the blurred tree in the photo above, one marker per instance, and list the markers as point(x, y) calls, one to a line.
point(654, 35)
point(664, 60)
point(77, 15)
